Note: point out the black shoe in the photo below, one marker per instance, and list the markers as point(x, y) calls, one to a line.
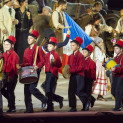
point(49, 110)
point(61, 103)
point(72, 110)
point(92, 102)
point(43, 105)
point(83, 107)
point(86, 108)
point(29, 111)
point(11, 111)
point(116, 109)
point(1, 111)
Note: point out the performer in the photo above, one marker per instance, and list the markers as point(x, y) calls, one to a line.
point(47, 34)
point(22, 28)
point(94, 28)
point(119, 27)
point(117, 83)
point(100, 85)
point(1, 77)
point(90, 77)
point(52, 64)
point(76, 84)
point(7, 19)
point(28, 60)
point(10, 72)
point(58, 21)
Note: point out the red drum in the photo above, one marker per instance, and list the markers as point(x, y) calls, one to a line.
point(27, 75)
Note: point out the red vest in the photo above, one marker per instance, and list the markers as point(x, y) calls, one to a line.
point(10, 61)
point(90, 69)
point(29, 56)
point(57, 64)
point(76, 63)
point(119, 70)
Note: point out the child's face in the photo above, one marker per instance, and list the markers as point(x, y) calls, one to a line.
point(100, 44)
point(31, 40)
point(117, 50)
point(50, 47)
point(7, 46)
point(86, 53)
point(74, 46)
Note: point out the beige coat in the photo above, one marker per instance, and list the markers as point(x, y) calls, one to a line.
point(6, 22)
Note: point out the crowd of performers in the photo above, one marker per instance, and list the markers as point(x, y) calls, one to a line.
point(86, 67)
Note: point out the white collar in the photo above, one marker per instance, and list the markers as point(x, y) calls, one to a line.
point(8, 7)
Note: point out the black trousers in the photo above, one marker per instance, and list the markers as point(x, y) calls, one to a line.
point(50, 87)
point(56, 97)
point(76, 87)
point(30, 89)
point(117, 91)
point(1, 102)
point(88, 90)
point(8, 91)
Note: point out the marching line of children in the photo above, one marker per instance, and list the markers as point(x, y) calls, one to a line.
point(82, 70)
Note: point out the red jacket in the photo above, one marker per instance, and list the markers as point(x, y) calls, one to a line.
point(57, 64)
point(90, 69)
point(10, 61)
point(29, 56)
point(119, 70)
point(76, 63)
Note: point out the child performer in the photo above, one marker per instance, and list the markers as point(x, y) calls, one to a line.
point(100, 85)
point(90, 77)
point(117, 83)
point(11, 59)
point(1, 77)
point(28, 60)
point(52, 64)
point(76, 84)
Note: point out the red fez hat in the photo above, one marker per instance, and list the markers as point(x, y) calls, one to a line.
point(53, 40)
point(119, 43)
point(11, 39)
point(78, 40)
point(34, 34)
point(90, 48)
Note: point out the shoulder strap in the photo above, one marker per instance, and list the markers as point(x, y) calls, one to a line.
point(36, 55)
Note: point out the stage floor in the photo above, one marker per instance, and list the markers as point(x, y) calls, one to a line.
point(62, 89)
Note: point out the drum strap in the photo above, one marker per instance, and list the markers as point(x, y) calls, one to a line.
point(36, 55)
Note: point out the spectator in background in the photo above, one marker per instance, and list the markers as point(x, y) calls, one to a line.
point(119, 27)
point(22, 28)
point(7, 19)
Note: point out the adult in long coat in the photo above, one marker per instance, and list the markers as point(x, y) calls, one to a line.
point(7, 19)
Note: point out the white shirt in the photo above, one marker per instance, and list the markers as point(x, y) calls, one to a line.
point(55, 18)
point(119, 27)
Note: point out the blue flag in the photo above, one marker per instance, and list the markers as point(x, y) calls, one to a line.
point(76, 30)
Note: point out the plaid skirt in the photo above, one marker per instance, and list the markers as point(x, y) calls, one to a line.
point(100, 85)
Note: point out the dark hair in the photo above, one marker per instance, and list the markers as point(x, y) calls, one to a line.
point(97, 3)
point(54, 44)
point(61, 2)
point(21, 1)
point(9, 41)
point(94, 19)
point(87, 50)
point(76, 42)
